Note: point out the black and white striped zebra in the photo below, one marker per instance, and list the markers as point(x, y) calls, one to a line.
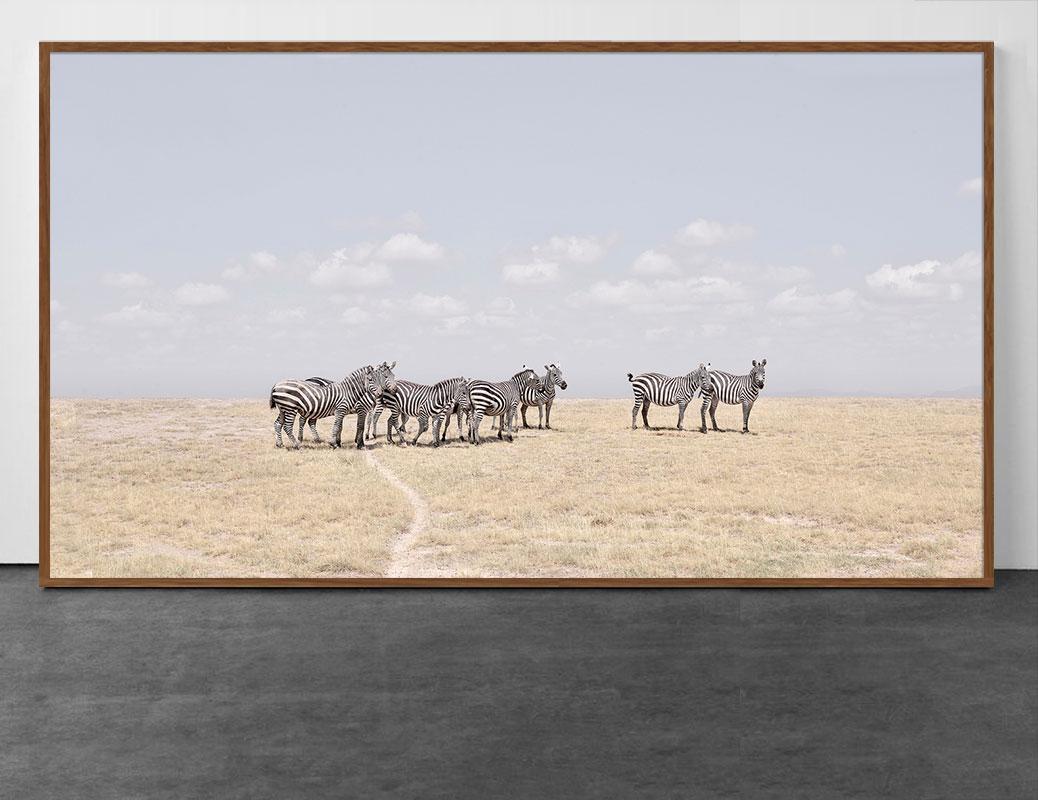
point(354, 394)
point(663, 390)
point(427, 403)
point(543, 398)
point(723, 387)
point(407, 401)
point(317, 381)
point(458, 406)
point(498, 400)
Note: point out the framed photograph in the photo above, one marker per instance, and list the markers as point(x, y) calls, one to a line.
point(516, 314)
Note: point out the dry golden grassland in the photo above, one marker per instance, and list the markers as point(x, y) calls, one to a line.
point(821, 488)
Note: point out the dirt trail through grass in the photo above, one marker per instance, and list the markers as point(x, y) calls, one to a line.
point(404, 560)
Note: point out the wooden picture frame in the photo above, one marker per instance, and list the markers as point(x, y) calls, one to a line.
point(47, 49)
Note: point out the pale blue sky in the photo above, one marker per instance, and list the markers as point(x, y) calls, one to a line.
point(224, 221)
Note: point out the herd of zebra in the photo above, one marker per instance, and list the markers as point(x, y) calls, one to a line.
point(370, 391)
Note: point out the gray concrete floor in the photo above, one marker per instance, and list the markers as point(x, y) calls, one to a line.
point(524, 694)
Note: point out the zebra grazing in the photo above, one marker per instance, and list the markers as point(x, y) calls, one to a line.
point(354, 394)
point(653, 387)
point(544, 398)
point(488, 399)
point(313, 422)
point(723, 387)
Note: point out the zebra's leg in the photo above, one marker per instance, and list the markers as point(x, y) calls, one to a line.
point(288, 427)
point(358, 437)
point(523, 412)
point(547, 415)
point(645, 412)
point(702, 414)
point(313, 430)
point(681, 415)
point(746, 408)
point(373, 433)
point(436, 430)
point(423, 425)
point(713, 412)
point(634, 413)
point(279, 421)
point(474, 420)
point(337, 430)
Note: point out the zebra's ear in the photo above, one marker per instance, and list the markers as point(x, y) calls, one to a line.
point(763, 362)
point(754, 362)
point(393, 365)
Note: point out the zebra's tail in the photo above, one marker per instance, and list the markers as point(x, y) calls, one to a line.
point(630, 377)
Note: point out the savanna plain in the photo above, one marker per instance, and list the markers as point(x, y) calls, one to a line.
point(821, 487)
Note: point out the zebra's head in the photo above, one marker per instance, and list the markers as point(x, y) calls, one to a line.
point(700, 375)
point(553, 376)
point(380, 379)
point(527, 377)
point(757, 373)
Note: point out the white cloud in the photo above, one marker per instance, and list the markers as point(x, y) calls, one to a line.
point(534, 273)
point(926, 280)
point(259, 263)
point(798, 302)
point(666, 296)
point(707, 233)
point(347, 267)
point(786, 274)
point(287, 315)
point(712, 330)
point(658, 334)
point(125, 280)
point(138, 315)
point(837, 250)
point(499, 313)
point(973, 186)
point(200, 294)
point(354, 315)
point(435, 305)
point(410, 247)
point(501, 305)
point(967, 267)
point(652, 262)
point(453, 326)
point(573, 249)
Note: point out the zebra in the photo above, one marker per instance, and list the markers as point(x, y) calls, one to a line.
point(543, 399)
point(354, 394)
point(458, 406)
point(407, 401)
point(653, 387)
point(488, 399)
point(317, 381)
point(426, 403)
point(733, 390)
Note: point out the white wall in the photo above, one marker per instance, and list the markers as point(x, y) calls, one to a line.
point(1012, 25)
